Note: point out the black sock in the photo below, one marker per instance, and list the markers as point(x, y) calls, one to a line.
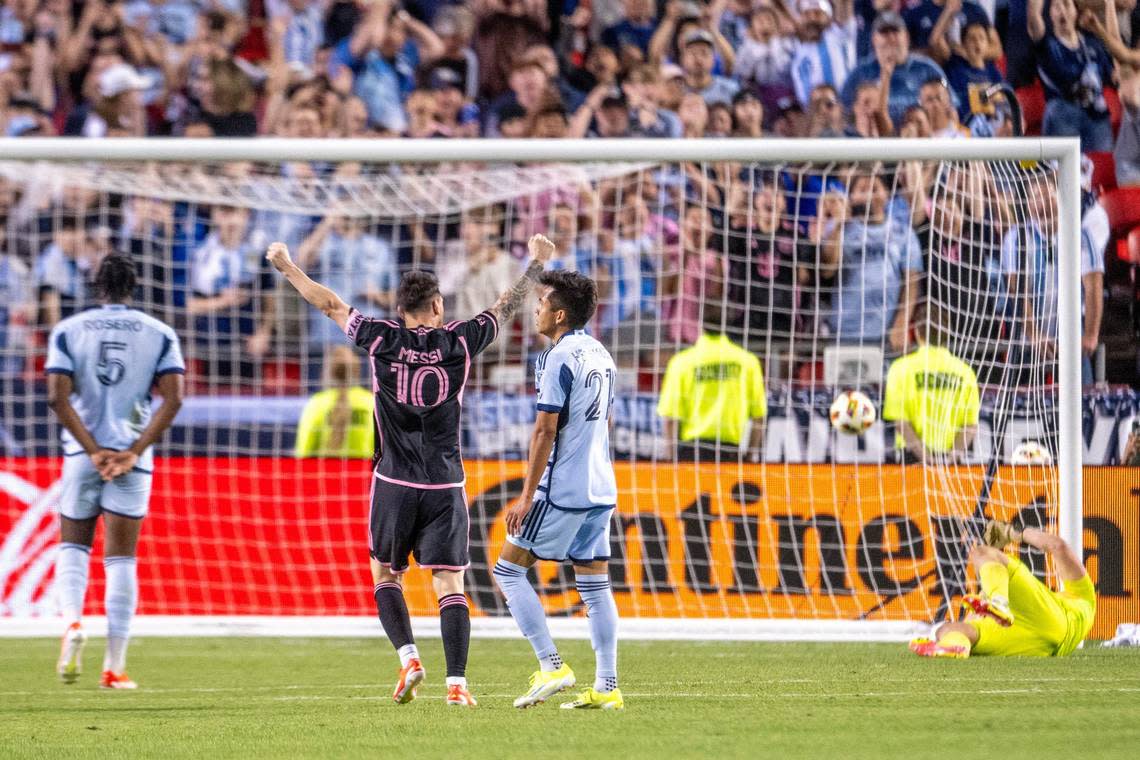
point(393, 612)
point(455, 626)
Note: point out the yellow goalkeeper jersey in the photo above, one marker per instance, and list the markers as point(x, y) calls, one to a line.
point(319, 429)
point(934, 391)
point(713, 389)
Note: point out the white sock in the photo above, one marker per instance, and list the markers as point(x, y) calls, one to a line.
point(120, 601)
point(407, 653)
point(599, 599)
point(71, 566)
point(526, 609)
point(457, 681)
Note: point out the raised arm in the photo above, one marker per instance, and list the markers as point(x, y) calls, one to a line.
point(1036, 19)
point(430, 45)
point(322, 298)
point(662, 39)
point(940, 48)
point(1109, 34)
point(541, 251)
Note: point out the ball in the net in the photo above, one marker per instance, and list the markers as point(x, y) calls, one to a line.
point(852, 413)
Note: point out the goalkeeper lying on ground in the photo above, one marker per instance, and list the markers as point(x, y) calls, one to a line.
point(1017, 614)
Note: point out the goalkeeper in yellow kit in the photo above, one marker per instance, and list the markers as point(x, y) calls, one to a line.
point(1016, 614)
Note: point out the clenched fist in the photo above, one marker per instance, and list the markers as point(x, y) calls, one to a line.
point(278, 256)
point(541, 249)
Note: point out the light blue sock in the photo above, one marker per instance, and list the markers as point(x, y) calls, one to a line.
point(599, 600)
point(526, 609)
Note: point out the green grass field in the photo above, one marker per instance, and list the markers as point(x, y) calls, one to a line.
point(215, 698)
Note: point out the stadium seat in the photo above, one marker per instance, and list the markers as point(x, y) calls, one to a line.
point(1032, 100)
point(1131, 249)
point(281, 377)
point(1123, 208)
point(508, 378)
point(1104, 171)
point(1114, 109)
point(852, 366)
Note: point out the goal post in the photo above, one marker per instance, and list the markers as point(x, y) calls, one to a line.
point(712, 549)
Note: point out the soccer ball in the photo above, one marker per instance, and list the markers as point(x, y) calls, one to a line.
point(1031, 452)
point(852, 413)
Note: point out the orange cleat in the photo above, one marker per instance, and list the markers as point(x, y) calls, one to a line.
point(458, 695)
point(411, 676)
point(116, 681)
point(924, 647)
point(995, 607)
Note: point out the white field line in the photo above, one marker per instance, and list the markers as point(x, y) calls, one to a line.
point(482, 684)
point(251, 690)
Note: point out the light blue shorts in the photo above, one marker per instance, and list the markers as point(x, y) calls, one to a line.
point(561, 534)
point(84, 494)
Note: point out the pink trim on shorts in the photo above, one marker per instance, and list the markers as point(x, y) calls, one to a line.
point(389, 566)
point(443, 567)
point(421, 486)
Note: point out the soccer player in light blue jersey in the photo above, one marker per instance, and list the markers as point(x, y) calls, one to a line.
point(569, 495)
point(102, 366)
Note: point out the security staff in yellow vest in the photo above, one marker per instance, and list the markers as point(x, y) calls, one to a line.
point(710, 394)
point(337, 422)
point(932, 395)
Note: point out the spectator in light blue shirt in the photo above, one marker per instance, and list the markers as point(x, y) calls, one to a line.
point(17, 311)
point(343, 255)
point(304, 31)
point(698, 55)
point(383, 63)
point(892, 50)
point(878, 262)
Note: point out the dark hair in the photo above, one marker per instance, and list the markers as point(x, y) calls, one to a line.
point(713, 317)
point(930, 322)
point(417, 289)
point(574, 293)
point(115, 279)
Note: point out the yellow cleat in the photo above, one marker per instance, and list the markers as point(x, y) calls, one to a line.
point(596, 700)
point(545, 684)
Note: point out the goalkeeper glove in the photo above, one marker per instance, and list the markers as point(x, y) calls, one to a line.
point(999, 534)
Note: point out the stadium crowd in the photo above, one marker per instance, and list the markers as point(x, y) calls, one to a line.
point(659, 242)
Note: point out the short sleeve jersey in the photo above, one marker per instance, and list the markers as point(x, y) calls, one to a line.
point(934, 391)
point(113, 355)
point(575, 379)
point(713, 389)
point(418, 377)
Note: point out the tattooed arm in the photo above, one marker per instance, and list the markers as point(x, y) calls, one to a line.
point(509, 302)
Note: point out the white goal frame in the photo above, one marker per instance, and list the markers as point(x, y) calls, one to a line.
point(1064, 151)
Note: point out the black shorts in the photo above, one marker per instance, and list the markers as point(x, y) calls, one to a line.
point(431, 525)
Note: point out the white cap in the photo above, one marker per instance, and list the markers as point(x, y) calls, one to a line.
point(821, 5)
point(119, 79)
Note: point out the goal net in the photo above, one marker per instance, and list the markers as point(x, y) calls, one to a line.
point(770, 523)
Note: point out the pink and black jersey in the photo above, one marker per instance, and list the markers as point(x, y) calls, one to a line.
point(418, 376)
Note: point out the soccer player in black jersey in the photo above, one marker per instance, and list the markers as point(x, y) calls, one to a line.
point(419, 505)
